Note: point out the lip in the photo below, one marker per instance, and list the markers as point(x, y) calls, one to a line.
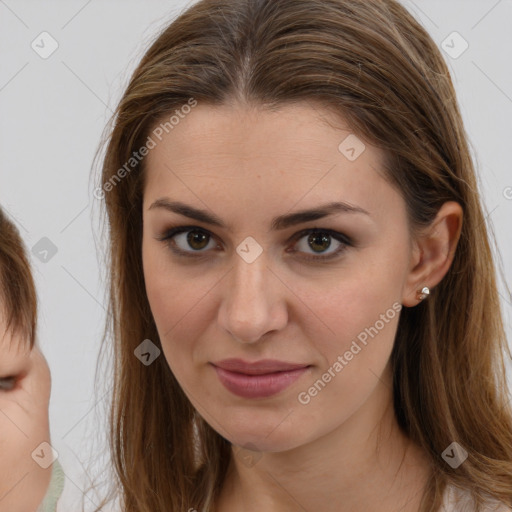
point(263, 366)
point(260, 379)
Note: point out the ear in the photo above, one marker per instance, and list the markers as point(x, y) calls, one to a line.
point(433, 252)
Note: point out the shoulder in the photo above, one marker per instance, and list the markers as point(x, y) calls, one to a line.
point(458, 500)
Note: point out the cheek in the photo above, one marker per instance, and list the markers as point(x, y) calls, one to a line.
point(352, 322)
point(177, 301)
point(361, 303)
point(172, 297)
point(22, 481)
point(13, 447)
point(159, 284)
point(362, 316)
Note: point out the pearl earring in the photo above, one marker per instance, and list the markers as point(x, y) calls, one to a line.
point(423, 293)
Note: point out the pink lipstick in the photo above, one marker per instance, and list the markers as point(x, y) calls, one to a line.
point(260, 379)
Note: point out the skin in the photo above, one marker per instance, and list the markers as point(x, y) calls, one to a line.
point(23, 423)
point(247, 166)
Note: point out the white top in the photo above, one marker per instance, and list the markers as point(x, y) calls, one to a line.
point(456, 500)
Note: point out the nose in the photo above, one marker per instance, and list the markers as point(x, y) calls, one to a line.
point(254, 301)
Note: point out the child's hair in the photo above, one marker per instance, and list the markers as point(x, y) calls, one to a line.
point(18, 299)
point(372, 63)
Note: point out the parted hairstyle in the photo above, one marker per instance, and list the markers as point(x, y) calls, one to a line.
point(18, 299)
point(371, 62)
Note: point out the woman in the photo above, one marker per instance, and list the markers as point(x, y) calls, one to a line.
point(303, 299)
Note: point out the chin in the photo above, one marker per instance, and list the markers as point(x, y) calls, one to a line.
point(263, 437)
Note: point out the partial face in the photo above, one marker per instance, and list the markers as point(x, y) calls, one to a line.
point(319, 291)
point(24, 399)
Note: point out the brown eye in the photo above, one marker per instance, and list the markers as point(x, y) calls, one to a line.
point(188, 241)
point(319, 241)
point(197, 237)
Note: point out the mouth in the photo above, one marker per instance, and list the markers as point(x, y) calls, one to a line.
point(261, 379)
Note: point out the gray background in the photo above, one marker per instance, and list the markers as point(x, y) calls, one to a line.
point(53, 112)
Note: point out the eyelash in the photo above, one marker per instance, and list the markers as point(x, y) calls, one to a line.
point(340, 237)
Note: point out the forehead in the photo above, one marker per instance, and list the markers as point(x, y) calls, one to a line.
point(260, 155)
point(304, 132)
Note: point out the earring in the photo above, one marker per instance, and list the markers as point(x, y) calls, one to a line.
point(423, 293)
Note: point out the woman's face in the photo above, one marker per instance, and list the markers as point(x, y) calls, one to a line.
point(251, 289)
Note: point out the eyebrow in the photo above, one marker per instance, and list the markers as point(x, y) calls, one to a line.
point(278, 223)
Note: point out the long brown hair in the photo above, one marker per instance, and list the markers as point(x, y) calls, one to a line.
point(375, 65)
